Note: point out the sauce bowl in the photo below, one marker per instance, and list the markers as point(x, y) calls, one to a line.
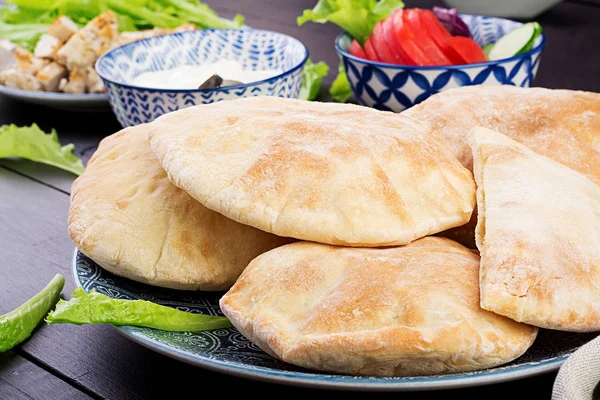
point(254, 49)
point(393, 87)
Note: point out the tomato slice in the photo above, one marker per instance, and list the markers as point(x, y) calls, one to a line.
point(439, 35)
point(392, 42)
point(424, 41)
point(357, 51)
point(467, 48)
point(381, 46)
point(406, 39)
point(370, 51)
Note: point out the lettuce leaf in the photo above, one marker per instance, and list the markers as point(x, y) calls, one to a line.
point(340, 89)
point(31, 143)
point(25, 35)
point(18, 325)
point(312, 77)
point(357, 17)
point(96, 308)
point(136, 14)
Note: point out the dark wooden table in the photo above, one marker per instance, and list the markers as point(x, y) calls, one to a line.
point(70, 362)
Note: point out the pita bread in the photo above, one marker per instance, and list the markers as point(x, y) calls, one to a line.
point(563, 125)
point(128, 217)
point(539, 236)
point(398, 311)
point(330, 173)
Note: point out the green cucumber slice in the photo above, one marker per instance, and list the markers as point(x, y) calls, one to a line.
point(487, 48)
point(515, 42)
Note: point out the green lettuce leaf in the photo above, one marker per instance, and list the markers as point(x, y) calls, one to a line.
point(31, 143)
point(312, 77)
point(133, 14)
point(17, 325)
point(25, 35)
point(203, 16)
point(357, 17)
point(340, 90)
point(96, 308)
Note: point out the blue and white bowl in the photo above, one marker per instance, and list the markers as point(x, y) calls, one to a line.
point(254, 49)
point(397, 87)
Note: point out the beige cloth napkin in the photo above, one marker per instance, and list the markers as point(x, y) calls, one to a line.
point(580, 374)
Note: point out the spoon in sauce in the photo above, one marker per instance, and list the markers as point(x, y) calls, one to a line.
point(215, 81)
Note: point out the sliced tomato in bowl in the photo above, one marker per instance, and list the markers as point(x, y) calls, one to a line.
point(468, 50)
point(439, 35)
point(381, 45)
point(356, 50)
point(370, 51)
point(411, 18)
point(392, 41)
point(406, 39)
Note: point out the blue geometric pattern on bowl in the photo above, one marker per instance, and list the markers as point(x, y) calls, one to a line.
point(254, 49)
point(395, 88)
point(228, 351)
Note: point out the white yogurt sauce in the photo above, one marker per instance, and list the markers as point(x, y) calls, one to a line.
point(192, 76)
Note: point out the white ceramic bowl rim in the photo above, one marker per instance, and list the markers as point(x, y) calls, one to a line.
point(232, 87)
point(345, 54)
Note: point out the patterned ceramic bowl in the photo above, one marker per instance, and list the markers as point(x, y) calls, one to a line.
point(254, 49)
point(397, 87)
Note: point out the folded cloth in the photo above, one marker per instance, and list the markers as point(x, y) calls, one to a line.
point(580, 374)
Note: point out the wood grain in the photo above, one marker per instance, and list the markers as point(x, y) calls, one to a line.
point(22, 379)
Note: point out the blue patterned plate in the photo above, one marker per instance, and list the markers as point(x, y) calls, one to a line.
point(227, 351)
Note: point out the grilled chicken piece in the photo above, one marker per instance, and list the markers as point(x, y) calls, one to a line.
point(50, 76)
point(93, 82)
point(93, 40)
point(19, 79)
point(76, 82)
point(27, 62)
point(47, 47)
point(63, 28)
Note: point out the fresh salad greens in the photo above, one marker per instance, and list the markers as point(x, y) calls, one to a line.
point(340, 90)
point(96, 308)
point(31, 143)
point(17, 325)
point(25, 35)
point(357, 17)
point(22, 20)
point(312, 77)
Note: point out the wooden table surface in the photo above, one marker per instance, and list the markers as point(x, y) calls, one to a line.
point(71, 362)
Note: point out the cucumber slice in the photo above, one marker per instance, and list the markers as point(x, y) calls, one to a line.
point(515, 42)
point(487, 48)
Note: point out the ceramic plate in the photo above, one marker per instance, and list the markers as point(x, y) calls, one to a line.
point(227, 351)
point(63, 101)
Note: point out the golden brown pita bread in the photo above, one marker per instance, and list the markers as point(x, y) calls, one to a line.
point(539, 236)
point(128, 217)
point(399, 311)
point(563, 125)
point(331, 173)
